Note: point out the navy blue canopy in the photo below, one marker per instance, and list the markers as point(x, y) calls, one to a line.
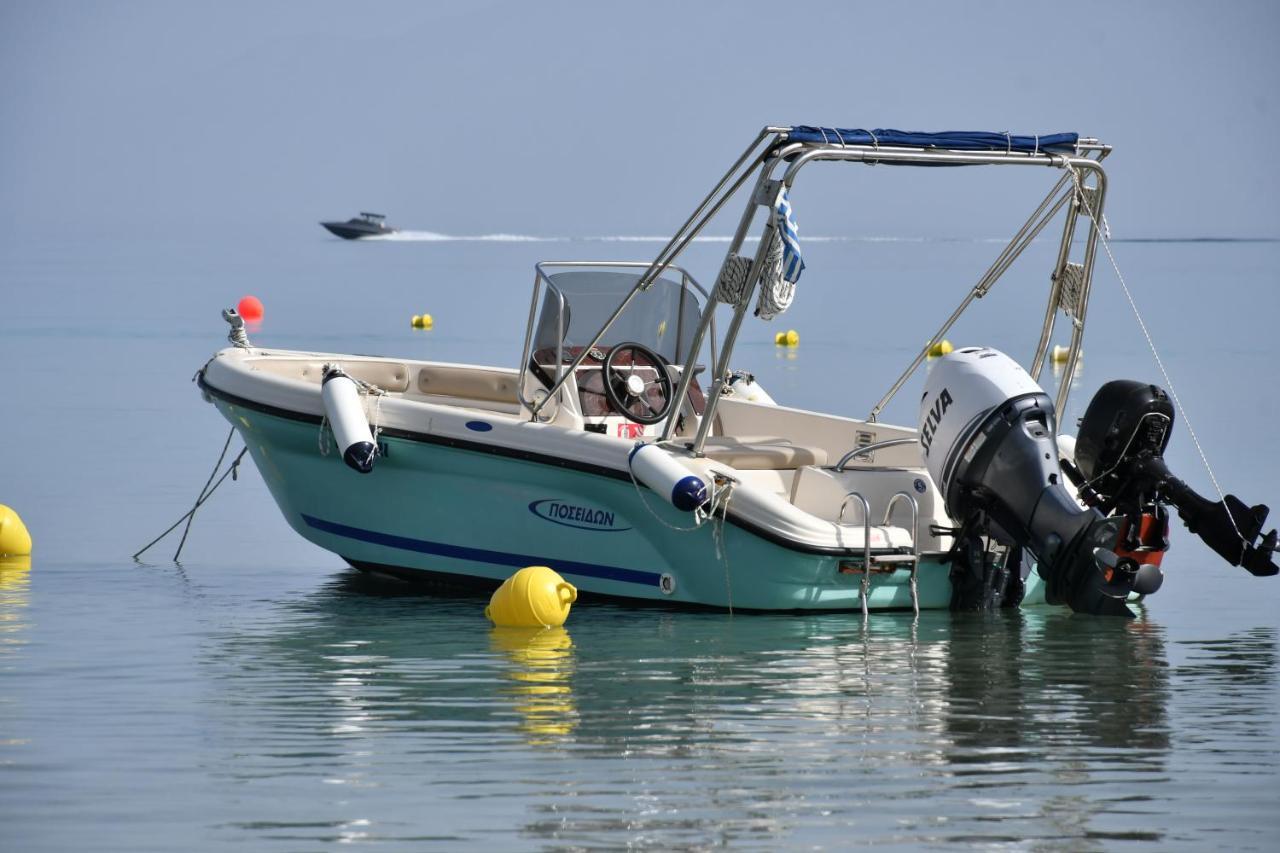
point(954, 140)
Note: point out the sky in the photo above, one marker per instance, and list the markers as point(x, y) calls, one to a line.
point(592, 118)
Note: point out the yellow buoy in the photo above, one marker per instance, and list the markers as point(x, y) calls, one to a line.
point(533, 597)
point(15, 541)
point(427, 321)
point(1059, 354)
point(780, 339)
point(793, 337)
point(415, 321)
point(940, 349)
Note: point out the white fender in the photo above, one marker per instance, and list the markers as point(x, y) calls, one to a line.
point(652, 466)
point(747, 388)
point(346, 415)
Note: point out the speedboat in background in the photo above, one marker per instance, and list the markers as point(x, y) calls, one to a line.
point(364, 225)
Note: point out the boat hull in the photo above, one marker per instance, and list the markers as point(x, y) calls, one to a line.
point(349, 231)
point(473, 515)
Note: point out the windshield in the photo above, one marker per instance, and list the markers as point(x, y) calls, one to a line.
point(662, 318)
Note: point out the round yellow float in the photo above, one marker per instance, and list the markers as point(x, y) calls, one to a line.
point(534, 597)
point(940, 349)
point(15, 541)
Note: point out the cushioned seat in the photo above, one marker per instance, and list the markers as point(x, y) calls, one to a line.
point(753, 453)
point(467, 383)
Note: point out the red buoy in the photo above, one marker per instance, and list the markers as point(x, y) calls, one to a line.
point(250, 308)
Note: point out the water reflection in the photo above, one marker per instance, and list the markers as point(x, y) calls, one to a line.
point(1059, 369)
point(15, 592)
point(686, 729)
point(541, 667)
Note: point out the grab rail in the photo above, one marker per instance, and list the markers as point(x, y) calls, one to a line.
point(866, 544)
point(915, 540)
point(879, 445)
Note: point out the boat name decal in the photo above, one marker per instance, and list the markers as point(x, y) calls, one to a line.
point(576, 515)
point(930, 426)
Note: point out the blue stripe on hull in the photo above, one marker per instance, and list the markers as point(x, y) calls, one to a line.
point(481, 555)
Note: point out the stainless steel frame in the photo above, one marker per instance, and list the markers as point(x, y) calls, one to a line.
point(772, 149)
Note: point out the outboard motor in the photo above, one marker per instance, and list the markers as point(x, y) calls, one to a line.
point(987, 435)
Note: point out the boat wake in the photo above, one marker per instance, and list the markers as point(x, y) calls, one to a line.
point(437, 237)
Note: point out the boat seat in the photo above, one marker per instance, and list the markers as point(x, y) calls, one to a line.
point(468, 383)
point(387, 375)
point(755, 453)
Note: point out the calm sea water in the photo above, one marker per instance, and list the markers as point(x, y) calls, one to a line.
point(261, 696)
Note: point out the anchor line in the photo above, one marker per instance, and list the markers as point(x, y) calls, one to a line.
point(205, 494)
point(1104, 232)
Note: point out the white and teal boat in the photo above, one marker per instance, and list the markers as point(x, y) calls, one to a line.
point(624, 453)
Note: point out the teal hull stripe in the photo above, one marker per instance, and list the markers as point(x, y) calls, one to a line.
point(480, 555)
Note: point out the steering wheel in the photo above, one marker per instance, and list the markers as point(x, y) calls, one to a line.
point(643, 401)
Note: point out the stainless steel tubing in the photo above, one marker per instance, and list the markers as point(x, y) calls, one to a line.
point(871, 448)
point(866, 544)
point(915, 540)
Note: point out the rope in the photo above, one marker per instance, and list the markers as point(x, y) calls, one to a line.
point(192, 516)
point(731, 286)
point(322, 439)
point(205, 494)
point(717, 537)
point(1105, 234)
point(776, 293)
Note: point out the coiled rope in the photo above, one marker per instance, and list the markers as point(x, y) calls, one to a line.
point(776, 293)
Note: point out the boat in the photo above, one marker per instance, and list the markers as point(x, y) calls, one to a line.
point(624, 452)
point(358, 227)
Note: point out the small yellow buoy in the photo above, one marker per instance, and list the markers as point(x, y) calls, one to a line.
point(1059, 354)
point(780, 339)
point(793, 337)
point(940, 349)
point(416, 321)
point(15, 541)
point(534, 597)
point(427, 321)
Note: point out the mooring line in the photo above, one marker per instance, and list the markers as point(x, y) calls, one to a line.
point(205, 494)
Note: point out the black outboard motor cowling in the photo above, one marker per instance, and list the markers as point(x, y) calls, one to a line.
point(987, 437)
point(1120, 458)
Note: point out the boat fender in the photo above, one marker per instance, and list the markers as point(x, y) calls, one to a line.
point(744, 386)
point(346, 415)
point(654, 467)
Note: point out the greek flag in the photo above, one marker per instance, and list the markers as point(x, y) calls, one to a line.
point(792, 262)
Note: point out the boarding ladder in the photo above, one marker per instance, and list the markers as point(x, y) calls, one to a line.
point(885, 563)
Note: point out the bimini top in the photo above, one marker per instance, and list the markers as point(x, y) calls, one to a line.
point(949, 140)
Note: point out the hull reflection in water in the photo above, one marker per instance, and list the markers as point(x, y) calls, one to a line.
point(687, 729)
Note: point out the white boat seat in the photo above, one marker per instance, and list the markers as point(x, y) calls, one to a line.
point(388, 375)
point(467, 383)
point(755, 453)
